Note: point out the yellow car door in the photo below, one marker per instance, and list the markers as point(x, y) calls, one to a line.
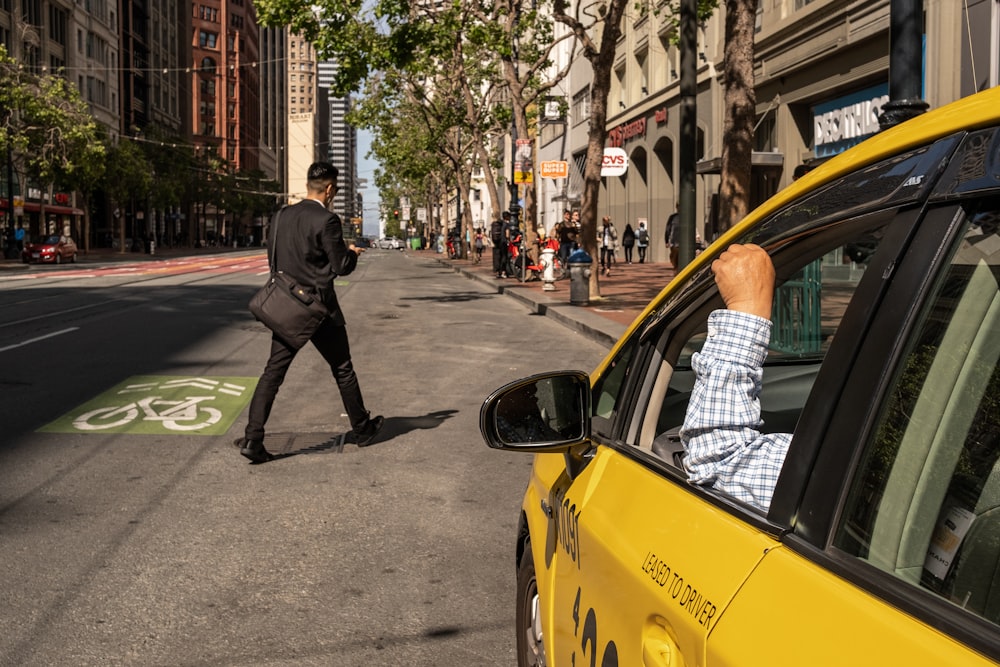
point(646, 569)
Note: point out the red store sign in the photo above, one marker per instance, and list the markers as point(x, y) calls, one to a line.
point(618, 135)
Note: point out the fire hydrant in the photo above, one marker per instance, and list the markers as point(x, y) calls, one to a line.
point(548, 262)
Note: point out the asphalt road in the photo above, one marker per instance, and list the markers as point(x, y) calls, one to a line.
point(129, 537)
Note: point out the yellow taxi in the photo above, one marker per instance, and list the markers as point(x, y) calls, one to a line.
point(881, 544)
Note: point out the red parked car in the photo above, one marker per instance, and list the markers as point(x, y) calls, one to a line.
point(52, 248)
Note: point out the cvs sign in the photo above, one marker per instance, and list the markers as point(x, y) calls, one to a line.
point(615, 162)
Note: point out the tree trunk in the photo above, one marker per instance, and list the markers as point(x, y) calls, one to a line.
point(740, 101)
point(601, 62)
point(491, 181)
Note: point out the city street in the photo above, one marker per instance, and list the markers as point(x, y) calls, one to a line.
point(133, 533)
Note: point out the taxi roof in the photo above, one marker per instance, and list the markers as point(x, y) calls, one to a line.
point(969, 113)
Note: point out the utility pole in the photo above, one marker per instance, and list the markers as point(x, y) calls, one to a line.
point(689, 132)
point(905, 60)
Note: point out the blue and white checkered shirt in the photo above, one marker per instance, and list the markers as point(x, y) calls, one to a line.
point(724, 447)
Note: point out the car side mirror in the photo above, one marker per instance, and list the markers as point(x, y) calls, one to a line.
point(549, 412)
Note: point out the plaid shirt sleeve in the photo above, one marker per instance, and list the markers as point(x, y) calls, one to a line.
point(725, 449)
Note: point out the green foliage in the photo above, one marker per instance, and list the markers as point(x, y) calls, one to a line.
point(48, 127)
point(128, 174)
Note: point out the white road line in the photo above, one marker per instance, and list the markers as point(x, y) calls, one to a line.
point(35, 340)
point(61, 312)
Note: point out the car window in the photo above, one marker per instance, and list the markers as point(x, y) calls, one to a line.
point(816, 277)
point(925, 503)
point(606, 393)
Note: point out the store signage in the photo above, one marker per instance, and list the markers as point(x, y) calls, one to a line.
point(615, 162)
point(846, 121)
point(554, 169)
point(660, 116)
point(522, 162)
point(636, 128)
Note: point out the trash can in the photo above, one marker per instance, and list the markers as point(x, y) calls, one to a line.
point(579, 277)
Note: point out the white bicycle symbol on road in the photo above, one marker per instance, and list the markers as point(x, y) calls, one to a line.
point(186, 415)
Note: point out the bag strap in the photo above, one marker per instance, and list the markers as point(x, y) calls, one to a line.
point(274, 244)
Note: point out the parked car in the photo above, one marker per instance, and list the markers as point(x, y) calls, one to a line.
point(52, 248)
point(390, 243)
point(881, 545)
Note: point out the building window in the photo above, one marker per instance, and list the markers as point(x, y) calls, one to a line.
point(207, 65)
point(207, 39)
point(581, 106)
point(57, 25)
point(208, 86)
point(642, 62)
point(32, 12)
point(619, 84)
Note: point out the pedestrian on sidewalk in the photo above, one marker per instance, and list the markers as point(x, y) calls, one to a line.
point(671, 238)
point(311, 250)
point(499, 247)
point(565, 234)
point(480, 243)
point(642, 240)
point(628, 241)
point(608, 242)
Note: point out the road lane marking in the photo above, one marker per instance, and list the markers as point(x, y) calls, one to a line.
point(56, 314)
point(161, 405)
point(35, 340)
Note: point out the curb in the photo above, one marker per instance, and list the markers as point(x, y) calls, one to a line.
point(594, 327)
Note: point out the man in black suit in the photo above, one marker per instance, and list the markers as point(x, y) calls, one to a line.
point(310, 248)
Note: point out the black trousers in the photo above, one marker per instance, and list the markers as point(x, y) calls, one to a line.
point(499, 258)
point(331, 341)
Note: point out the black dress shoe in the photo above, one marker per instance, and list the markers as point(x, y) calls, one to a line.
point(366, 436)
point(254, 450)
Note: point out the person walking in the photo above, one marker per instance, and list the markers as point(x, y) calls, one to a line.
point(628, 242)
point(642, 241)
point(608, 242)
point(671, 238)
point(479, 243)
point(309, 246)
point(564, 234)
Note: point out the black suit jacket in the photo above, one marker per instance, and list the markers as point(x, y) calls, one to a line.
point(310, 248)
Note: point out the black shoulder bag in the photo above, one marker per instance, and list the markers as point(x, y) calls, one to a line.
point(288, 309)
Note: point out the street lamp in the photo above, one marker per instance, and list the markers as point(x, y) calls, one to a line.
point(905, 28)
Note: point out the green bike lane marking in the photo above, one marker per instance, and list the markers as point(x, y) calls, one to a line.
point(161, 405)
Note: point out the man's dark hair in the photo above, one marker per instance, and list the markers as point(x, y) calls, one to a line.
point(320, 175)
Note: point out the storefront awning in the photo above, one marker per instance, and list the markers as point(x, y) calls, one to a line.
point(758, 159)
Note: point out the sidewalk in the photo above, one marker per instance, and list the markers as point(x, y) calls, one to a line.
point(624, 294)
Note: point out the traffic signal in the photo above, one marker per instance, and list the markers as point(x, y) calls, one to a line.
point(395, 214)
